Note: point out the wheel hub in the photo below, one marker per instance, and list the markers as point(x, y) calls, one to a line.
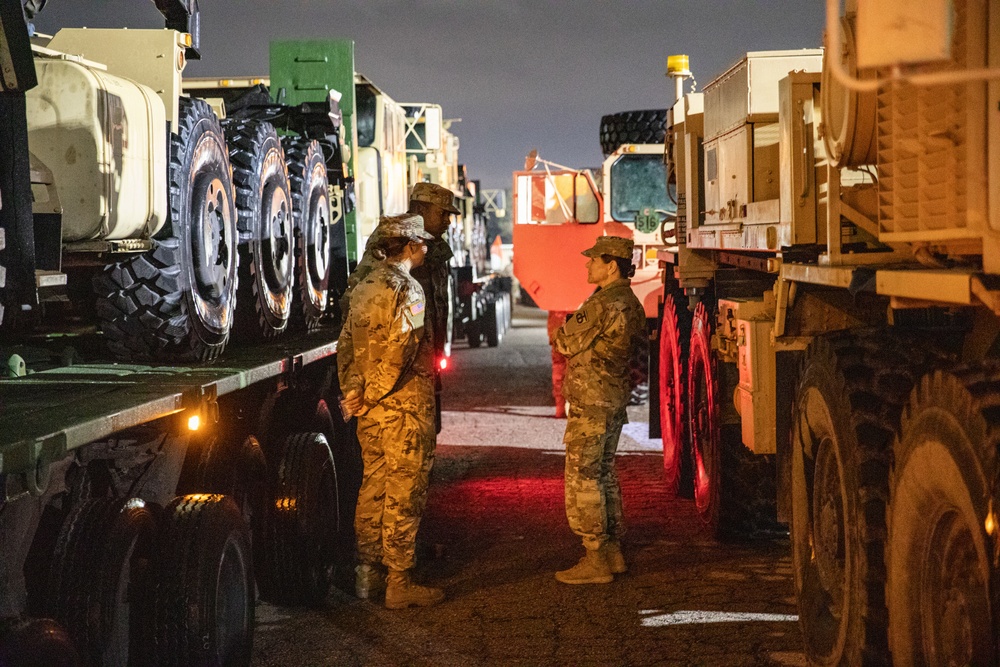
point(829, 544)
point(955, 612)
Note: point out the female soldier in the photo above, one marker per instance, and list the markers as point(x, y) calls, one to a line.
point(598, 340)
point(386, 371)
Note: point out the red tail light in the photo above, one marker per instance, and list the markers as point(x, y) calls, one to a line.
point(443, 363)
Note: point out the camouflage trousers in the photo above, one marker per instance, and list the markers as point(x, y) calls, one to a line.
point(593, 495)
point(397, 446)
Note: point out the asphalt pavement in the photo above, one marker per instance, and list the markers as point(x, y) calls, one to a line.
point(495, 531)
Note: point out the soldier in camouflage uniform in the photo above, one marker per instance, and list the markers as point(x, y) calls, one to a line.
point(598, 340)
point(385, 364)
point(435, 204)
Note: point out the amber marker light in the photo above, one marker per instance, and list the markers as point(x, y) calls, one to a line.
point(991, 521)
point(194, 422)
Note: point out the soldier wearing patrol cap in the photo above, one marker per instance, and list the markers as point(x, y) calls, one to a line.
point(598, 340)
point(385, 364)
point(435, 204)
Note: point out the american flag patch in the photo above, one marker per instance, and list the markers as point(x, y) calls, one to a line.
point(417, 308)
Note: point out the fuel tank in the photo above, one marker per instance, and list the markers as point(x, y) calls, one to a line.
point(105, 140)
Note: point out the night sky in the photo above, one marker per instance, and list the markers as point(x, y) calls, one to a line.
point(521, 74)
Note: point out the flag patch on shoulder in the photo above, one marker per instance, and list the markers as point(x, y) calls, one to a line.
point(417, 308)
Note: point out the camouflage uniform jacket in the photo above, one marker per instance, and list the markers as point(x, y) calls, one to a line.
point(433, 278)
point(599, 339)
point(433, 275)
point(382, 348)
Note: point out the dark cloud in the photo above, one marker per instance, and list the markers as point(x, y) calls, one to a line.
point(520, 74)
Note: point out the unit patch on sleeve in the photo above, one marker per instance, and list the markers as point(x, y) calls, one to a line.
point(582, 319)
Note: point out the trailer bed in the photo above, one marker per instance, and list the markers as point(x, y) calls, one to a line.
point(47, 413)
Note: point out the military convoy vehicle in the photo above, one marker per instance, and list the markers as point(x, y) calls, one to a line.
point(481, 301)
point(828, 344)
point(559, 210)
point(147, 499)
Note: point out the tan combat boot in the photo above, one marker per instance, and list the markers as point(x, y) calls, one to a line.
point(369, 581)
point(592, 569)
point(401, 592)
point(616, 561)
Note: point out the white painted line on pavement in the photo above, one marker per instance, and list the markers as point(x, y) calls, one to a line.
point(700, 617)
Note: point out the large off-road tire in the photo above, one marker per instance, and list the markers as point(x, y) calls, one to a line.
point(99, 579)
point(734, 489)
point(311, 206)
point(303, 523)
point(176, 301)
point(942, 589)
point(850, 395)
point(203, 601)
point(674, 340)
point(632, 127)
point(264, 207)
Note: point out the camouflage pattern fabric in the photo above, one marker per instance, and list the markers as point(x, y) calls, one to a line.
point(598, 340)
point(593, 494)
point(556, 319)
point(383, 352)
point(433, 276)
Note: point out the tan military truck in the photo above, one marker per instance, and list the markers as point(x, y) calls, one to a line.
point(189, 228)
point(828, 349)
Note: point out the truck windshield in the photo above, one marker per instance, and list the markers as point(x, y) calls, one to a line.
point(638, 182)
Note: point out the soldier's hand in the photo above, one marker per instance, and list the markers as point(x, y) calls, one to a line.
point(353, 402)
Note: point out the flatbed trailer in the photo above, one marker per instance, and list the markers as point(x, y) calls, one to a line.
point(128, 489)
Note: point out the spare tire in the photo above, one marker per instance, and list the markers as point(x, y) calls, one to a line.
point(632, 127)
point(176, 301)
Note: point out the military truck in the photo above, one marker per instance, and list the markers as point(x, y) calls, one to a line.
point(144, 505)
point(210, 229)
point(829, 336)
point(559, 211)
point(481, 302)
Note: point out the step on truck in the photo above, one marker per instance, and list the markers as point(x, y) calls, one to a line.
point(828, 344)
point(147, 502)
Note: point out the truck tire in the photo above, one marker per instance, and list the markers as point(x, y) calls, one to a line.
point(203, 601)
point(942, 578)
point(474, 333)
point(303, 523)
point(632, 127)
point(264, 208)
point(734, 489)
point(99, 574)
point(675, 338)
point(236, 469)
point(37, 642)
point(491, 325)
point(176, 301)
point(850, 396)
point(311, 207)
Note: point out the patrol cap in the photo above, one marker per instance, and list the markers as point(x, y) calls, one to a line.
point(616, 246)
point(433, 193)
point(401, 226)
